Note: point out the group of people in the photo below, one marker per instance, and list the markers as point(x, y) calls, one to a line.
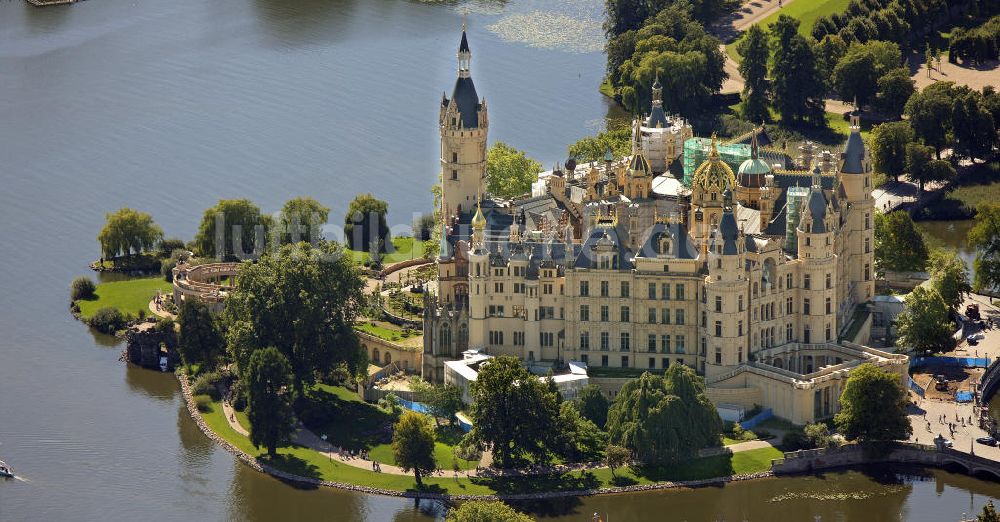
point(359, 454)
point(952, 426)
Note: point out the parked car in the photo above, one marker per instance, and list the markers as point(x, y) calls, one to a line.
point(973, 340)
point(989, 441)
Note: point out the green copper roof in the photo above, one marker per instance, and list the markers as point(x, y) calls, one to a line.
point(754, 166)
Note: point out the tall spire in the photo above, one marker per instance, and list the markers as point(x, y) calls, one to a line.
point(464, 54)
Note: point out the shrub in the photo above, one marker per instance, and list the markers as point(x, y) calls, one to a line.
point(203, 402)
point(108, 320)
point(165, 324)
point(82, 288)
point(168, 246)
point(794, 440)
point(207, 384)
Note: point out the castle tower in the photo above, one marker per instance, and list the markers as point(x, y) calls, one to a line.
point(710, 181)
point(464, 123)
point(815, 233)
point(726, 322)
point(855, 169)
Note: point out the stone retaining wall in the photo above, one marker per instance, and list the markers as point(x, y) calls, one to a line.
point(247, 459)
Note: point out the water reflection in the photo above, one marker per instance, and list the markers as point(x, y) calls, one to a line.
point(196, 448)
point(151, 383)
point(102, 339)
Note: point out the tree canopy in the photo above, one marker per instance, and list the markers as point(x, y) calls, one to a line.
point(270, 410)
point(593, 148)
point(128, 232)
point(593, 405)
point(899, 247)
point(302, 219)
point(949, 277)
point(984, 237)
point(873, 406)
point(413, 444)
point(664, 419)
point(924, 323)
point(243, 235)
point(366, 224)
point(302, 300)
point(514, 413)
point(894, 89)
point(796, 84)
point(755, 50)
point(443, 400)
point(509, 173)
point(888, 147)
point(199, 340)
point(486, 511)
point(578, 439)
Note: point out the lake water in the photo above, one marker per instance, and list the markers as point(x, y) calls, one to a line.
point(169, 106)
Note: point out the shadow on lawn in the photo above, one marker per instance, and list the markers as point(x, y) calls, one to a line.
point(703, 468)
point(291, 464)
point(353, 425)
point(571, 481)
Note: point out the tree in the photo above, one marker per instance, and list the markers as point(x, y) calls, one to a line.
point(984, 237)
point(894, 89)
point(513, 413)
point(899, 247)
point(199, 339)
point(413, 445)
point(270, 410)
point(82, 288)
point(365, 221)
point(302, 219)
point(485, 511)
point(923, 325)
point(423, 226)
point(755, 52)
point(855, 77)
point(818, 435)
point(594, 148)
point(624, 15)
point(128, 232)
point(929, 113)
point(936, 170)
point(797, 87)
point(949, 277)
point(302, 300)
point(243, 235)
point(509, 173)
point(888, 147)
point(917, 158)
point(974, 129)
point(989, 513)
point(873, 406)
point(664, 419)
point(593, 405)
point(830, 49)
point(578, 439)
point(616, 457)
point(443, 400)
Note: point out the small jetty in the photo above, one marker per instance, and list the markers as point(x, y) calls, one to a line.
point(43, 3)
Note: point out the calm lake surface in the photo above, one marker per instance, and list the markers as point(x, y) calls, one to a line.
point(169, 106)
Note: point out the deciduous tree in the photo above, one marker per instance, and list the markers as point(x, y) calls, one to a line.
point(888, 147)
point(486, 511)
point(873, 406)
point(894, 89)
point(949, 276)
point(899, 247)
point(365, 222)
point(578, 439)
point(756, 52)
point(413, 445)
point(509, 173)
point(270, 410)
point(302, 219)
point(929, 113)
point(243, 235)
point(443, 400)
point(984, 237)
point(199, 340)
point(923, 324)
point(795, 82)
point(128, 232)
point(616, 456)
point(593, 405)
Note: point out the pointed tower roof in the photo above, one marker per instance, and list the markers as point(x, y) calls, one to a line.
point(657, 118)
point(463, 46)
point(464, 94)
point(479, 220)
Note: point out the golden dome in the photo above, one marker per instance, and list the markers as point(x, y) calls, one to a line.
point(714, 174)
point(479, 220)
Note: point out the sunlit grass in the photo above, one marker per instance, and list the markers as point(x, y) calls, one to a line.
point(129, 296)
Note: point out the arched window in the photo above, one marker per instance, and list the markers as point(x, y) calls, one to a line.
point(445, 340)
point(375, 357)
point(463, 337)
point(388, 358)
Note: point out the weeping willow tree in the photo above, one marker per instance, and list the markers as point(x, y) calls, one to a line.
point(664, 419)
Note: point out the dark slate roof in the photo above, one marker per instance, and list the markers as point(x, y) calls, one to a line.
point(639, 163)
point(464, 46)
point(679, 239)
point(729, 233)
point(776, 227)
point(467, 101)
point(817, 208)
point(587, 257)
point(853, 155)
point(657, 118)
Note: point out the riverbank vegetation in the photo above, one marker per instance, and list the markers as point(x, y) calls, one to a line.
point(129, 297)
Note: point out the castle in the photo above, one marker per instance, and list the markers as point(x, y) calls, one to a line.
point(757, 277)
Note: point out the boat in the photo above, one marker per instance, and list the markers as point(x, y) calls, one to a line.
point(5, 470)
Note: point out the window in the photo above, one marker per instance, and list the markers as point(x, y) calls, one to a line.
point(665, 363)
point(788, 281)
point(547, 312)
point(665, 316)
point(805, 306)
point(546, 338)
point(739, 328)
point(652, 290)
point(829, 306)
point(652, 316)
point(739, 355)
point(624, 315)
point(498, 288)
point(605, 341)
point(680, 344)
point(604, 361)
point(625, 344)
point(625, 361)
point(829, 280)
point(741, 303)
point(496, 337)
point(584, 288)
point(868, 272)
point(454, 157)
point(625, 289)
point(547, 289)
point(518, 288)
point(868, 221)
point(788, 332)
point(718, 355)
point(680, 317)
point(665, 343)
point(583, 359)
point(718, 303)
point(788, 306)
point(679, 292)
point(604, 314)
point(828, 332)
point(868, 245)
point(454, 175)
point(665, 291)
point(584, 312)
point(807, 281)
point(704, 343)
point(808, 241)
point(518, 338)
point(604, 289)
point(718, 328)
point(651, 343)
point(805, 335)
point(585, 341)
point(652, 363)
point(704, 320)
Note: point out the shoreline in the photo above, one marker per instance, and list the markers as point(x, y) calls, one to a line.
point(252, 462)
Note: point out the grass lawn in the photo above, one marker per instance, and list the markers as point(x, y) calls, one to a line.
point(405, 249)
point(382, 330)
point(129, 296)
point(444, 448)
point(806, 11)
point(305, 462)
point(978, 185)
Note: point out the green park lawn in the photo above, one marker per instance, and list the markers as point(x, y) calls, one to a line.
point(980, 184)
point(309, 463)
point(129, 296)
point(444, 450)
point(383, 330)
point(806, 11)
point(405, 248)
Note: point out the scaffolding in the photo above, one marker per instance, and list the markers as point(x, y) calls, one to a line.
point(796, 195)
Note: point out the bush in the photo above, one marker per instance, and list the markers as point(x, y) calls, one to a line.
point(168, 246)
point(203, 402)
point(208, 384)
point(794, 440)
point(165, 324)
point(82, 288)
point(108, 320)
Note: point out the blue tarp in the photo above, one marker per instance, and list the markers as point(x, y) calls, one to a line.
point(962, 362)
point(916, 388)
point(963, 396)
point(757, 419)
point(415, 406)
